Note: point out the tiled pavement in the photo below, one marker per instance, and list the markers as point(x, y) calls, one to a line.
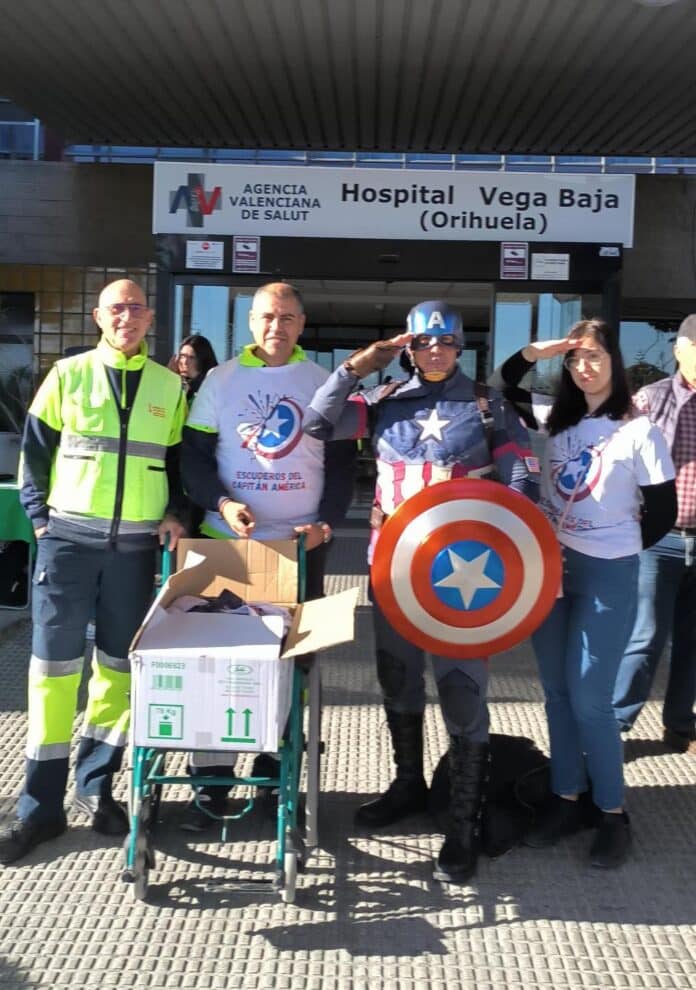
point(367, 911)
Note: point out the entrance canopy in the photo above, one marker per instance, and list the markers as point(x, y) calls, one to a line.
point(585, 77)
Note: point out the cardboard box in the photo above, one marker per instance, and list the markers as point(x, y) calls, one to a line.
point(219, 681)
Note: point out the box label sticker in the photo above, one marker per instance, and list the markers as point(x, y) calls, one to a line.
point(241, 721)
point(167, 682)
point(165, 721)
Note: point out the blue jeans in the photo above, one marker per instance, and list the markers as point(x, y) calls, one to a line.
point(666, 604)
point(579, 648)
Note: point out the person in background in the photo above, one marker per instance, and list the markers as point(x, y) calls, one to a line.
point(193, 361)
point(607, 484)
point(667, 576)
point(247, 463)
point(100, 484)
point(436, 425)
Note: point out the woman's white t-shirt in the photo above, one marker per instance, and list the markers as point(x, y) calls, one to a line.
point(604, 461)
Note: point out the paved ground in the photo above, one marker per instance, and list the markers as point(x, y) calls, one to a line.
point(367, 910)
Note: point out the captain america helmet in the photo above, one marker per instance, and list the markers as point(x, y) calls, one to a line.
point(435, 318)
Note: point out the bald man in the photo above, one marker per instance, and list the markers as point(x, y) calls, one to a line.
point(100, 485)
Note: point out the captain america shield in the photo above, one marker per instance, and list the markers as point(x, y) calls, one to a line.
point(466, 568)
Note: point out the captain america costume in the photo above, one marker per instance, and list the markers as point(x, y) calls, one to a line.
point(423, 433)
point(437, 426)
point(426, 432)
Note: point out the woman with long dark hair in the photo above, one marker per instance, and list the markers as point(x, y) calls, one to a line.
point(607, 484)
point(194, 359)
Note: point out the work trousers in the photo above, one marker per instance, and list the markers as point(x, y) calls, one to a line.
point(461, 684)
point(74, 584)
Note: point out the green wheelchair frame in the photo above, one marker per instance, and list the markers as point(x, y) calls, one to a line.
point(148, 777)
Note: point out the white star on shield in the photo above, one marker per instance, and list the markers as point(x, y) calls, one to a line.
point(467, 576)
point(275, 424)
point(432, 426)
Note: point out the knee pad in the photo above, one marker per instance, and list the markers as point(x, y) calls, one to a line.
point(391, 673)
point(460, 699)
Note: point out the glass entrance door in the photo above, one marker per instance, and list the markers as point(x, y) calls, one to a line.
point(218, 312)
point(344, 316)
point(522, 317)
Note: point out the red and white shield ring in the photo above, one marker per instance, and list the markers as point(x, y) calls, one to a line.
point(466, 568)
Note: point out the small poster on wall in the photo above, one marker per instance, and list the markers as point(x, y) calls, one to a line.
point(246, 254)
point(514, 260)
point(551, 267)
point(205, 254)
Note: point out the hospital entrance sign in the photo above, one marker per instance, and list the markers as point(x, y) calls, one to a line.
point(282, 201)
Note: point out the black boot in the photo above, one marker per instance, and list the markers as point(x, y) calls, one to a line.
point(408, 793)
point(468, 771)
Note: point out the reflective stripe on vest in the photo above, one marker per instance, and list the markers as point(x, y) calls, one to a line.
point(134, 448)
point(102, 524)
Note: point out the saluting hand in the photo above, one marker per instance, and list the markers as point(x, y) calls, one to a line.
point(377, 356)
point(542, 350)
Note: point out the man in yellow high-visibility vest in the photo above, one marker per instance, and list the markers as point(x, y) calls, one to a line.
point(100, 483)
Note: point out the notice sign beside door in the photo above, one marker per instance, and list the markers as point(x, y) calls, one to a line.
point(514, 260)
point(551, 267)
point(246, 254)
point(205, 254)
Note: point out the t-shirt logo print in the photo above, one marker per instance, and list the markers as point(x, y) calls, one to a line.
point(272, 426)
point(579, 474)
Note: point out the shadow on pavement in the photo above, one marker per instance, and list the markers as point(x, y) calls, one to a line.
point(12, 978)
point(373, 894)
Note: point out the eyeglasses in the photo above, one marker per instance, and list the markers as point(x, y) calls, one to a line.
point(424, 341)
point(135, 309)
point(592, 360)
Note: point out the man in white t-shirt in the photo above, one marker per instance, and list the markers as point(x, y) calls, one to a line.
point(247, 462)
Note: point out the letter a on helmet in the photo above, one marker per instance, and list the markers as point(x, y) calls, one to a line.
point(435, 317)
